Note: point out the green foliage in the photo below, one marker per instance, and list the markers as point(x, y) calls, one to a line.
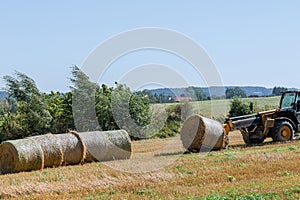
point(238, 108)
point(30, 115)
point(196, 93)
point(172, 125)
point(114, 108)
point(29, 112)
point(59, 106)
point(235, 92)
point(131, 112)
point(104, 109)
point(176, 113)
point(84, 92)
point(278, 90)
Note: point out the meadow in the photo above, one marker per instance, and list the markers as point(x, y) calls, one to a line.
point(159, 169)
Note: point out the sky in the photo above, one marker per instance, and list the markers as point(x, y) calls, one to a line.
point(251, 43)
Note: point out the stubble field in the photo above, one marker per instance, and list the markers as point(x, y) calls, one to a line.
point(159, 169)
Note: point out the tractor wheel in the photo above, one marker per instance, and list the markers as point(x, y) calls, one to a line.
point(246, 138)
point(256, 138)
point(283, 131)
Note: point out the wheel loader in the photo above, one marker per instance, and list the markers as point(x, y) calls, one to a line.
point(281, 124)
point(200, 134)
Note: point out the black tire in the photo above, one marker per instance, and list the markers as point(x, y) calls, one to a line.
point(246, 139)
point(283, 131)
point(252, 140)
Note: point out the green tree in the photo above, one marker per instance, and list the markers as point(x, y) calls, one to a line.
point(131, 112)
point(104, 109)
point(109, 108)
point(84, 92)
point(238, 108)
point(278, 90)
point(235, 92)
point(60, 108)
point(197, 93)
point(31, 116)
point(152, 98)
point(8, 123)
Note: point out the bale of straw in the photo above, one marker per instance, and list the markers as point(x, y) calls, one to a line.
point(53, 155)
point(200, 134)
point(106, 145)
point(73, 148)
point(20, 155)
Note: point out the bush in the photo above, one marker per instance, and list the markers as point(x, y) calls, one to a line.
point(238, 108)
point(176, 113)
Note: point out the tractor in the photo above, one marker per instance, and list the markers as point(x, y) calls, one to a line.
point(281, 124)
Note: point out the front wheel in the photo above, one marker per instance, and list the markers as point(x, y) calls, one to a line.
point(283, 131)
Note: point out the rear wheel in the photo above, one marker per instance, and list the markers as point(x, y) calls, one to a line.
point(283, 131)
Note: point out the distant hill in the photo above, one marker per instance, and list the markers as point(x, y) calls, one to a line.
point(250, 90)
point(216, 91)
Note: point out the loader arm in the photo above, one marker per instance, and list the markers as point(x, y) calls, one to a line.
point(236, 123)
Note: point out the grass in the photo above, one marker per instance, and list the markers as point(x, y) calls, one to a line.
point(218, 109)
point(270, 171)
point(158, 169)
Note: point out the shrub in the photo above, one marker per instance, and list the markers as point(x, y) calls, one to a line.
point(238, 108)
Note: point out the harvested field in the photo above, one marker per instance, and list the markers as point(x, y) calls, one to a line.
point(270, 171)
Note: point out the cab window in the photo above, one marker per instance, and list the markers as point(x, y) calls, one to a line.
point(288, 100)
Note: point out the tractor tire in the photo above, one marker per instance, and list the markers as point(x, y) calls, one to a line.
point(283, 131)
point(246, 139)
point(250, 140)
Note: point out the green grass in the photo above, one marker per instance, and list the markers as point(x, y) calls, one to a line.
point(219, 109)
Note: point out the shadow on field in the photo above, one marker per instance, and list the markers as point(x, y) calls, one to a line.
point(170, 154)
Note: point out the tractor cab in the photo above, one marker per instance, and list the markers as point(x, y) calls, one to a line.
point(290, 108)
point(290, 100)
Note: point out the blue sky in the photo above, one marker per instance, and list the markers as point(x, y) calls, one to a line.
point(251, 42)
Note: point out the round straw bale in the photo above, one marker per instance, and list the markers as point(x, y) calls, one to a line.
point(20, 155)
point(73, 148)
point(107, 145)
point(201, 134)
point(53, 155)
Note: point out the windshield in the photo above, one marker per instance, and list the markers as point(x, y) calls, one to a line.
point(288, 100)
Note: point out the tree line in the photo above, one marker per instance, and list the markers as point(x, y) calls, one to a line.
point(28, 111)
point(197, 94)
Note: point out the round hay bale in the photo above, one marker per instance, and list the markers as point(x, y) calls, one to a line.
point(107, 145)
point(53, 155)
point(200, 134)
point(73, 148)
point(20, 155)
